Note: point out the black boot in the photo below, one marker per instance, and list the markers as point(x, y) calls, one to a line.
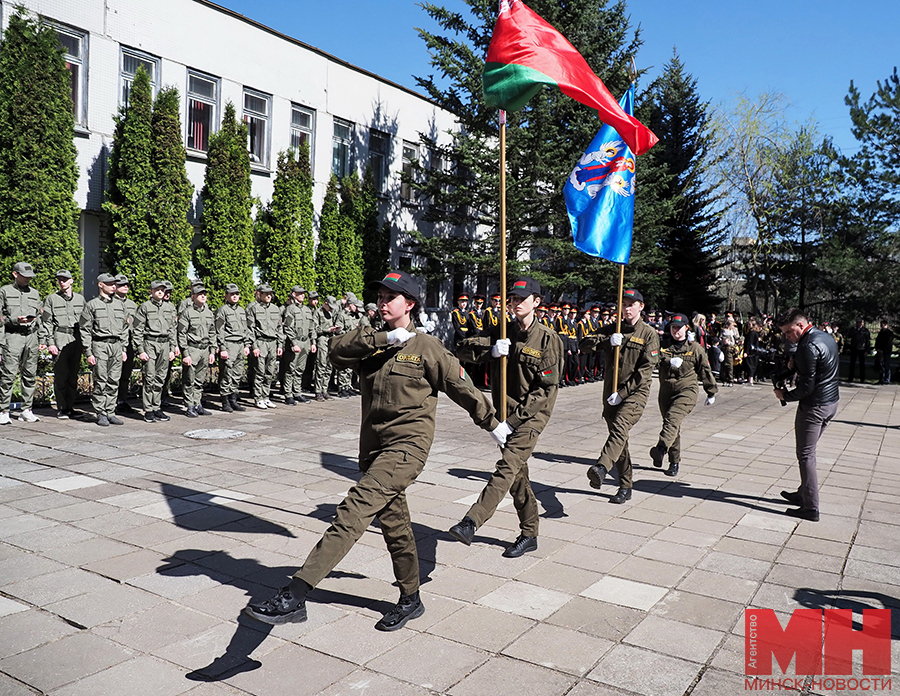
point(672, 470)
point(464, 531)
point(657, 453)
point(287, 606)
point(409, 607)
point(235, 404)
point(226, 404)
point(595, 475)
point(521, 545)
point(621, 496)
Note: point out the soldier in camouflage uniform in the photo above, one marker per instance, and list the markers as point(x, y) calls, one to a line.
point(20, 305)
point(328, 323)
point(197, 339)
point(122, 287)
point(62, 336)
point(104, 330)
point(233, 341)
point(155, 339)
point(267, 339)
point(297, 319)
point(351, 321)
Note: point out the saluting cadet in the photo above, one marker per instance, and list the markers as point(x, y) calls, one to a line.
point(104, 329)
point(60, 333)
point(20, 306)
point(122, 287)
point(297, 320)
point(267, 339)
point(155, 336)
point(681, 365)
point(625, 401)
point(328, 323)
point(401, 373)
point(233, 341)
point(196, 337)
point(535, 355)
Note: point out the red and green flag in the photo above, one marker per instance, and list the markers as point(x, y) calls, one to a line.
point(527, 53)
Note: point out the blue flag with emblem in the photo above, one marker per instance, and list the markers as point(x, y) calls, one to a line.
point(600, 194)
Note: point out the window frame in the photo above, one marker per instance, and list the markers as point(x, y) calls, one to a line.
point(382, 174)
point(310, 132)
point(124, 80)
point(267, 120)
point(348, 142)
point(214, 103)
point(79, 110)
point(407, 192)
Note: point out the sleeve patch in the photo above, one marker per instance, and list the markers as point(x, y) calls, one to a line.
point(654, 353)
point(531, 351)
point(462, 373)
point(547, 372)
point(404, 357)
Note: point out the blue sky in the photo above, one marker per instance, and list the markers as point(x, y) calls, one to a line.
point(808, 51)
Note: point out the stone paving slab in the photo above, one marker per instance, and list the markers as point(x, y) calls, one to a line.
point(127, 556)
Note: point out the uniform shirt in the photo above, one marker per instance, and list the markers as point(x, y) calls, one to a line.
point(195, 328)
point(461, 326)
point(130, 309)
point(637, 358)
point(231, 326)
point(154, 322)
point(694, 367)
point(103, 319)
point(15, 302)
point(400, 386)
point(59, 319)
point(476, 323)
point(264, 323)
point(297, 320)
point(533, 371)
point(492, 317)
point(324, 320)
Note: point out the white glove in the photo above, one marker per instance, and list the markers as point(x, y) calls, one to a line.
point(423, 317)
point(429, 326)
point(691, 336)
point(500, 433)
point(675, 362)
point(398, 336)
point(614, 398)
point(500, 348)
point(615, 339)
point(710, 400)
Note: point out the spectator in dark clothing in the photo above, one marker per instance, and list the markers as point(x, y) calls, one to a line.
point(884, 346)
point(859, 341)
point(752, 349)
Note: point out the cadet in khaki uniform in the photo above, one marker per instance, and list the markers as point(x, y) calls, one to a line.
point(155, 339)
point(20, 305)
point(197, 340)
point(104, 328)
point(61, 335)
point(122, 287)
point(351, 321)
point(535, 356)
point(626, 400)
point(371, 317)
point(267, 339)
point(328, 323)
point(401, 372)
point(681, 365)
point(297, 319)
point(233, 341)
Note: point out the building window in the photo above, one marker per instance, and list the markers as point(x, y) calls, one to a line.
point(131, 61)
point(303, 124)
point(340, 148)
point(410, 160)
point(256, 116)
point(74, 44)
point(202, 102)
point(379, 147)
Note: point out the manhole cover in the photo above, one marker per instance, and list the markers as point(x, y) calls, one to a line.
point(214, 434)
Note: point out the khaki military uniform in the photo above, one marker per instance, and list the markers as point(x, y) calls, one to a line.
point(637, 358)
point(532, 382)
point(20, 344)
point(324, 321)
point(678, 390)
point(266, 335)
point(104, 329)
point(345, 376)
point(128, 365)
point(154, 333)
point(59, 327)
point(399, 386)
point(298, 333)
point(196, 338)
point(232, 336)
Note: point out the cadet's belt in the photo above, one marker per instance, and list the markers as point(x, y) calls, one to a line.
point(108, 339)
point(64, 329)
point(22, 330)
point(267, 338)
point(194, 344)
point(157, 339)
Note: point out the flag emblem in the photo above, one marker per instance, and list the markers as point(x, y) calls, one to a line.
point(392, 276)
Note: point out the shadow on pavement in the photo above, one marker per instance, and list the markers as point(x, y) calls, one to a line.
point(857, 600)
point(866, 425)
point(545, 493)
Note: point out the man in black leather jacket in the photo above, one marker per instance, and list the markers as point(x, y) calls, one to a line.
point(816, 363)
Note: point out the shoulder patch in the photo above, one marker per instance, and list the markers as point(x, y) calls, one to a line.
point(654, 352)
point(636, 339)
point(408, 358)
point(547, 372)
point(531, 351)
point(690, 352)
point(462, 373)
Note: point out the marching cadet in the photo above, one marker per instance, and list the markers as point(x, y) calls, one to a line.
point(681, 365)
point(122, 287)
point(104, 329)
point(460, 320)
point(60, 333)
point(535, 355)
point(155, 336)
point(297, 320)
point(233, 341)
point(267, 339)
point(21, 309)
point(197, 341)
point(401, 373)
point(328, 323)
point(625, 401)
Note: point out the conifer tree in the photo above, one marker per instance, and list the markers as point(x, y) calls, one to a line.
point(172, 194)
point(225, 253)
point(38, 172)
point(375, 238)
point(284, 227)
point(130, 187)
point(328, 262)
point(359, 208)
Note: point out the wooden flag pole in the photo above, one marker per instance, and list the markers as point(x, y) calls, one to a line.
point(501, 407)
point(615, 382)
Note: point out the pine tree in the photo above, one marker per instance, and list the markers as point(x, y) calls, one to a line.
point(692, 231)
point(129, 191)
point(38, 172)
point(225, 253)
point(284, 227)
point(172, 195)
point(328, 262)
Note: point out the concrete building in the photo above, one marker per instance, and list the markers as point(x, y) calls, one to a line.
point(285, 90)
